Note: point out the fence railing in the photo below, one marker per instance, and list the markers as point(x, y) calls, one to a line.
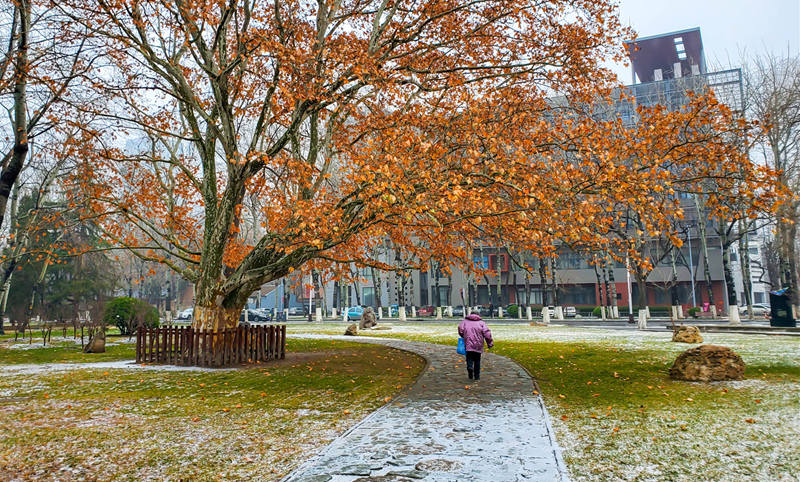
point(188, 346)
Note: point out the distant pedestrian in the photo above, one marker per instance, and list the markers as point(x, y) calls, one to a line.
point(474, 331)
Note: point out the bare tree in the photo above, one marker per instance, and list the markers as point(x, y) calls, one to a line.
point(772, 84)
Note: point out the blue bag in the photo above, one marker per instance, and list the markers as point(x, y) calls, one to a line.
point(462, 348)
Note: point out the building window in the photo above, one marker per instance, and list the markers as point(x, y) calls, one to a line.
point(753, 251)
point(501, 259)
point(368, 296)
point(758, 297)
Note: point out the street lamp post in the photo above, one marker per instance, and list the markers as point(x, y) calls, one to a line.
point(630, 295)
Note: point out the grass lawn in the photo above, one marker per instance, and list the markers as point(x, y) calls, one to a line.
point(64, 350)
point(244, 424)
point(619, 416)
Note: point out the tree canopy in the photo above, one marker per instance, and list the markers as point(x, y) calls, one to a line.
point(336, 124)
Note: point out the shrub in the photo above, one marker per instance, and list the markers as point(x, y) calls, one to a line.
point(693, 311)
point(596, 311)
point(513, 311)
point(125, 313)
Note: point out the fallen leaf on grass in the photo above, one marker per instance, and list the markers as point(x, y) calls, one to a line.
point(561, 396)
point(564, 417)
point(749, 420)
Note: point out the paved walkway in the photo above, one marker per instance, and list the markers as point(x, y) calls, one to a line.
point(495, 430)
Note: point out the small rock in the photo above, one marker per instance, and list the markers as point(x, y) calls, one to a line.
point(438, 465)
point(351, 330)
point(687, 334)
point(412, 474)
point(707, 363)
point(355, 470)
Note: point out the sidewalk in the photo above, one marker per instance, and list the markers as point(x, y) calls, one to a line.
point(447, 429)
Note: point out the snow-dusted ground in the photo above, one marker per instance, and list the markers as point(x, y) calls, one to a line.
point(43, 368)
point(751, 433)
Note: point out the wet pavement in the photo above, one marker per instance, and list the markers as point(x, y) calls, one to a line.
point(446, 427)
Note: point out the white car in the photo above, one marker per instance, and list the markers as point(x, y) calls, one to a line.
point(185, 315)
point(759, 309)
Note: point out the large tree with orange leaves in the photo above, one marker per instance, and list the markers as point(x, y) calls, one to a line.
point(349, 121)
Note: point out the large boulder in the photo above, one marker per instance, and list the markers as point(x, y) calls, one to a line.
point(351, 330)
point(687, 334)
point(368, 319)
point(97, 344)
point(708, 363)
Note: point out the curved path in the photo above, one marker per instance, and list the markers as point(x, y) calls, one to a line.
point(445, 428)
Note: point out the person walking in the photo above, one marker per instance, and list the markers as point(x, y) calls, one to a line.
point(474, 331)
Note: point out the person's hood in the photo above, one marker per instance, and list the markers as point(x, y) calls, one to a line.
point(473, 317)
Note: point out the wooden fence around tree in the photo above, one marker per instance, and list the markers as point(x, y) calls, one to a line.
point(206, 348)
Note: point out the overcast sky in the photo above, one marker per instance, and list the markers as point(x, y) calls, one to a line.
point(727, 26)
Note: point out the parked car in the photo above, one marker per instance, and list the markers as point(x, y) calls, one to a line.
point(298, 311)
point(184, 316)
point(570, 312)
point(253, 316)
point(355, 312)
point(426, 311)
point(759, 309)
point(458, 311)
point(482, 310)
point(551, 310)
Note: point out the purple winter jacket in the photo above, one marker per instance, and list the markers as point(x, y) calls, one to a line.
point(473, 330)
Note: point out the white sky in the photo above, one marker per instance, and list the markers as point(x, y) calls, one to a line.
point(728, 27)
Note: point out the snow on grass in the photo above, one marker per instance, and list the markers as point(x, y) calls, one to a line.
point(618, 416)
point(115, 421)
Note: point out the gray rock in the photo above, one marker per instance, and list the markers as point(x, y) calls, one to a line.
point(707, 363)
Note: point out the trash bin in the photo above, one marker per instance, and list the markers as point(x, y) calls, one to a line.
point(781, 309)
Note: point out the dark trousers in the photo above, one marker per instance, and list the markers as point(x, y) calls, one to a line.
point(474, 364)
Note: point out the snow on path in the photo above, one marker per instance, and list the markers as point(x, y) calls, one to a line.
point(445, 428)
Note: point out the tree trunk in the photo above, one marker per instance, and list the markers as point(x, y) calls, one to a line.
point(606, 287)
point(543, 282)
point(744, 265)
point(527, 289)
point(499, 287)
point(612, 283)
point(727, 271)
point(641, 283)
point(675, 299)
point(376, 287)
point(215, 318)
point(554, 264)
point(10, 171)
point(436, 298)
point(701, 224)
point(599, 282)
